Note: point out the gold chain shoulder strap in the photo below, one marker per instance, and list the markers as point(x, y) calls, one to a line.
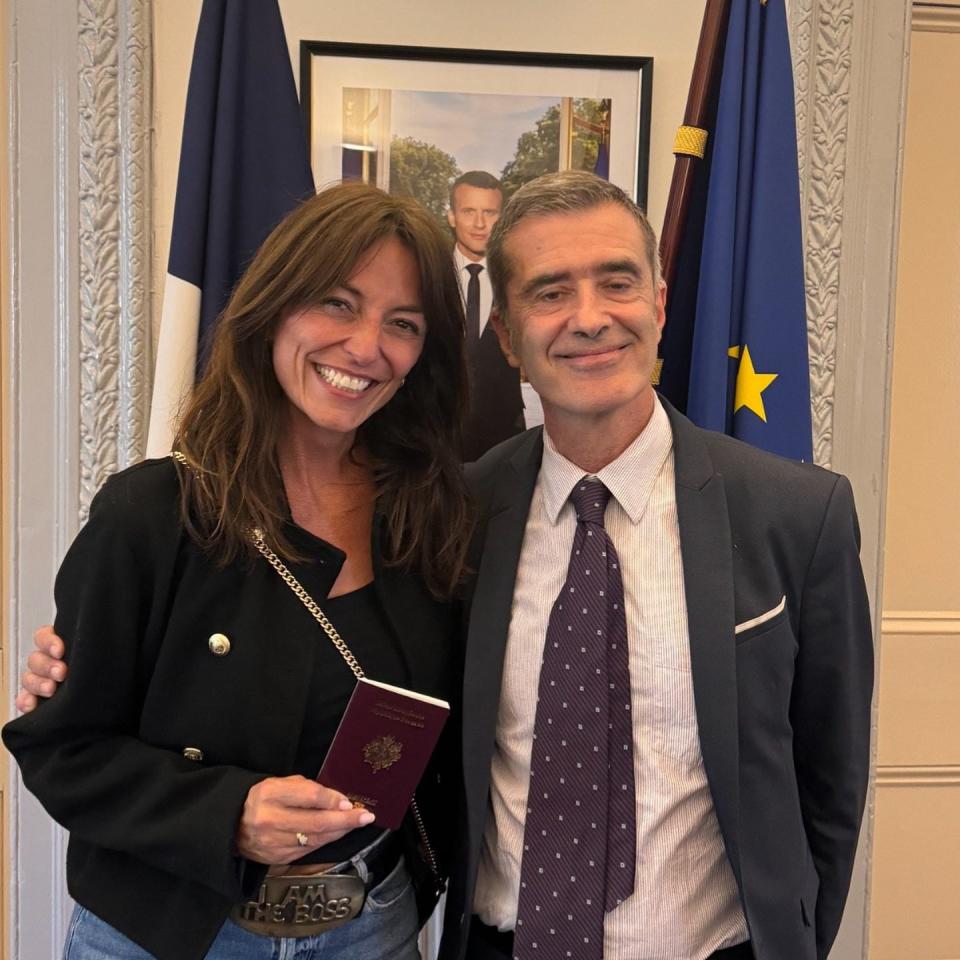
point(256, 536)
point(182, 460)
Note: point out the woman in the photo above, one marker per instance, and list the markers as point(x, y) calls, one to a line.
point(202, 695)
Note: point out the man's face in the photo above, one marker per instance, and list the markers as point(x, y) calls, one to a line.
point(582, 317)
point(471, 217)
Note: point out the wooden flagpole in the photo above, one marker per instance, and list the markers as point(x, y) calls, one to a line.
point(692, 136)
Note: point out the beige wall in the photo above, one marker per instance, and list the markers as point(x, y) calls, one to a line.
point(916, 872)
point(613, 27)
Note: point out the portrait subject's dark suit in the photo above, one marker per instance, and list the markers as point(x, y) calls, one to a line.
point(783, 707)
point(496, 401)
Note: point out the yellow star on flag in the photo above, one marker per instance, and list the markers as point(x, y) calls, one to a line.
point(750, 384)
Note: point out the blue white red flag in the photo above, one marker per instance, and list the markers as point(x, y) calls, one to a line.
point(244, 164)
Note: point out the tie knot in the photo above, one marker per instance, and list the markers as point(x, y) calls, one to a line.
point(474, 269)
point(589, 498)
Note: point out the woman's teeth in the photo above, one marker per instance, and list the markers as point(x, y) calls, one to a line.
point(343, 381)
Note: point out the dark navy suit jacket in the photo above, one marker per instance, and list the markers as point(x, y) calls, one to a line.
point(783, 709)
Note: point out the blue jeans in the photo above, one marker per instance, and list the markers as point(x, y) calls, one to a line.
point(385, 930)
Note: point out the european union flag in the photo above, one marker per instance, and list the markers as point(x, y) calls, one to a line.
point(749, 371)
point(244, 164)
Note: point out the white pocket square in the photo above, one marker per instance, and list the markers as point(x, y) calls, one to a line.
point(763, 618)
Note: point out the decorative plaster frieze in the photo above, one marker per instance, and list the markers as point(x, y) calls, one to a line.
point(822, 37)
point(136, 124)
point(113, 210)
point(801, 30)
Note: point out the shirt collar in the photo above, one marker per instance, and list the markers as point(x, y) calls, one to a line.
point(629, 478)
point(461, 261)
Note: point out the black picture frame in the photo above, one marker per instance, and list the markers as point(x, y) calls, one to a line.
point(639, 66)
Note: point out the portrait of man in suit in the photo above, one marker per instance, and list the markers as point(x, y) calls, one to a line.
point(496, 404)
point(669, 658)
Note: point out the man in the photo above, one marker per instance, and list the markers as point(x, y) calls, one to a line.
point(750, 650)
point(733, 576)
point(496, 404)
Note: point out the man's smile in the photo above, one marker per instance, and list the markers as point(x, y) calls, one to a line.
point(593, 356)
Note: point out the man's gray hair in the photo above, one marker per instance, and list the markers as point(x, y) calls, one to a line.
point(569, 191)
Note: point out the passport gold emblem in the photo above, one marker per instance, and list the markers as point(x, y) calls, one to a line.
point(382, 753)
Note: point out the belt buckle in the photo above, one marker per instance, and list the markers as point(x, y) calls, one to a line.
point(292, 905)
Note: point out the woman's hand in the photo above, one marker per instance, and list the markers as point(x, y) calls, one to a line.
point(45, 669)
point(280, 808)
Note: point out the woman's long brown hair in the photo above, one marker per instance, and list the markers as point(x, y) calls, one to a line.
point(230, 428)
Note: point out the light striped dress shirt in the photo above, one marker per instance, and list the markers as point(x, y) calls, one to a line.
point(685, 904)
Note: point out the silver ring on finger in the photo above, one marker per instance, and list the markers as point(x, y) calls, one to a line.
point(303, 840)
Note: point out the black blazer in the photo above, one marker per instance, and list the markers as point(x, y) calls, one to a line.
point(783, 709)
point(151, 832)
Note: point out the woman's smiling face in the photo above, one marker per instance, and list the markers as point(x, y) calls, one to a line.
point(341, 360)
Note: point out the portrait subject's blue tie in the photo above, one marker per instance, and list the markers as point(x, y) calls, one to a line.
point(579, 841)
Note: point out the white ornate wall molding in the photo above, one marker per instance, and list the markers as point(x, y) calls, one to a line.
point(76, 373)
point(114, 231)
point(822, 36)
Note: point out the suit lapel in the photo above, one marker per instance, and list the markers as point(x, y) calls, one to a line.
point(489, 620)
point(708, 581)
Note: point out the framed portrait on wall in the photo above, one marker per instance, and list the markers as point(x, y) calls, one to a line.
point(386, 113)
point(460, 130)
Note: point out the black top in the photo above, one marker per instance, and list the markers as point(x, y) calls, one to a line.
point(359, 619)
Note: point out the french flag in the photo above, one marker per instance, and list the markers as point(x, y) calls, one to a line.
point(244, 164)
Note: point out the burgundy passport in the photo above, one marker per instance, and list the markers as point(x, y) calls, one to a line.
point(382, 747)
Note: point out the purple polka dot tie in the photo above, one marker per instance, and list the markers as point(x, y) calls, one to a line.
point(580, 840)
